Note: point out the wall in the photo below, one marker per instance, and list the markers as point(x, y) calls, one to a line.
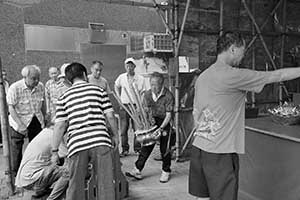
point(12, 49)
point(65, 13)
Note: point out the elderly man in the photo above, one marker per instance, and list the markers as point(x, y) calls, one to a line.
point(96, 78)
point(26, 103)
point(219, 115)
point(36, 171)
point(82, 111)
point(50, 91)
point(63, 83)
point(125, 82)
point(158, 101)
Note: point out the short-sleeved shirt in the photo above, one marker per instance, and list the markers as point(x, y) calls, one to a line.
point(26, 102)
point(36, 158)
point(101, 82)
point(123, 81)
point(219, 106)
point(164, 103)
point(83, 106)
point(51, 94)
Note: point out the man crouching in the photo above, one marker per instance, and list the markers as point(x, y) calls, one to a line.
point(36, 171)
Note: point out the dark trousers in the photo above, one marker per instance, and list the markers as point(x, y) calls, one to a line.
point(214, 175)
point(125, 120)
point(17, 141)
point(101, 159)
point(146, 151)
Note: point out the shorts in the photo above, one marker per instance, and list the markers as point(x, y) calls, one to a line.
point(213, 175)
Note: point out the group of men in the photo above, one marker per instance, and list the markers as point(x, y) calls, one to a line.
point(71, 123)
point(83, 111)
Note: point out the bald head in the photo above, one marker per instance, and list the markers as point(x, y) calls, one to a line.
point(53, 73)
point(31, 75)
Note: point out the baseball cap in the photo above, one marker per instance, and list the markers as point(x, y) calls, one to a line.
point(63, 70)
point(129, 60)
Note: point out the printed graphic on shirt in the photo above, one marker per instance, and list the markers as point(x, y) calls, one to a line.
point(208, 126)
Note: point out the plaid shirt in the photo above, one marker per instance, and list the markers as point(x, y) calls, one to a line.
point(164, 103)
point(51, 94)
point(26, 102)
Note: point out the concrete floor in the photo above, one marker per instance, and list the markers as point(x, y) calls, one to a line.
point(149, 188)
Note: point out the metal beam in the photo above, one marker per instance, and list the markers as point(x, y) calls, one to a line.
point(283, 37)
point(155, 5)
point(131, 3)
point(262, 40)
point(264, 24)
point(182, 25)
point(221, 19)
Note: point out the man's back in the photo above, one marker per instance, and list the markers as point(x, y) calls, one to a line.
point(36, 157)
point(84, 106)
point(219, 111)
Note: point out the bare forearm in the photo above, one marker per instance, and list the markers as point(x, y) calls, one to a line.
point(59, 130)
point(44, 108)
point(15, 116)
point(286, 74)
point(113, 123)
point(166, 120)
point(47, 105)
point(118, 90)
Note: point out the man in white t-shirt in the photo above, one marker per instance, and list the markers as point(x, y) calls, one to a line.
point(127, 81)
point(96, 78)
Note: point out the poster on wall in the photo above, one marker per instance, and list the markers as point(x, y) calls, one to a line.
point(184, 64)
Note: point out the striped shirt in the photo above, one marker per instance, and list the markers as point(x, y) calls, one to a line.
point(83, 105)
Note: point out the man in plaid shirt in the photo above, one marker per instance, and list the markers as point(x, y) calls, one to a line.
point(26, 104)
point(50, 91)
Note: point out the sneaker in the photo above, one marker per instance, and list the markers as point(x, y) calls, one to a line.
point(135, 173)
point(165, 176)
point(124, 153)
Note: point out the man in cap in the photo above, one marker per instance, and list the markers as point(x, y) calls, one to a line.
point(127, 81)
point(96, 78)
point(27, 108)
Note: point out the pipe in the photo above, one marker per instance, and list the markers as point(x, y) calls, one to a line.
point(283, 37)
point(221, 19)
point(183, 24)
point(176, 65)
point(253, 53)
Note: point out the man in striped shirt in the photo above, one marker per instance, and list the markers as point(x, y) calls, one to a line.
point(82, 112)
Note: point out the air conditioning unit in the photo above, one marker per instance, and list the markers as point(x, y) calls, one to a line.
point(158, 42)
point(97, 32)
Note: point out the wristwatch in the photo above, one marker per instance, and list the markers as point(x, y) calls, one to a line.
point(54, 150)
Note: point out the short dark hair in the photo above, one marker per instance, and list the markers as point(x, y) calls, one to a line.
point(97, 62)
point(158, 75)
point(75, 70)
point(227, 39)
